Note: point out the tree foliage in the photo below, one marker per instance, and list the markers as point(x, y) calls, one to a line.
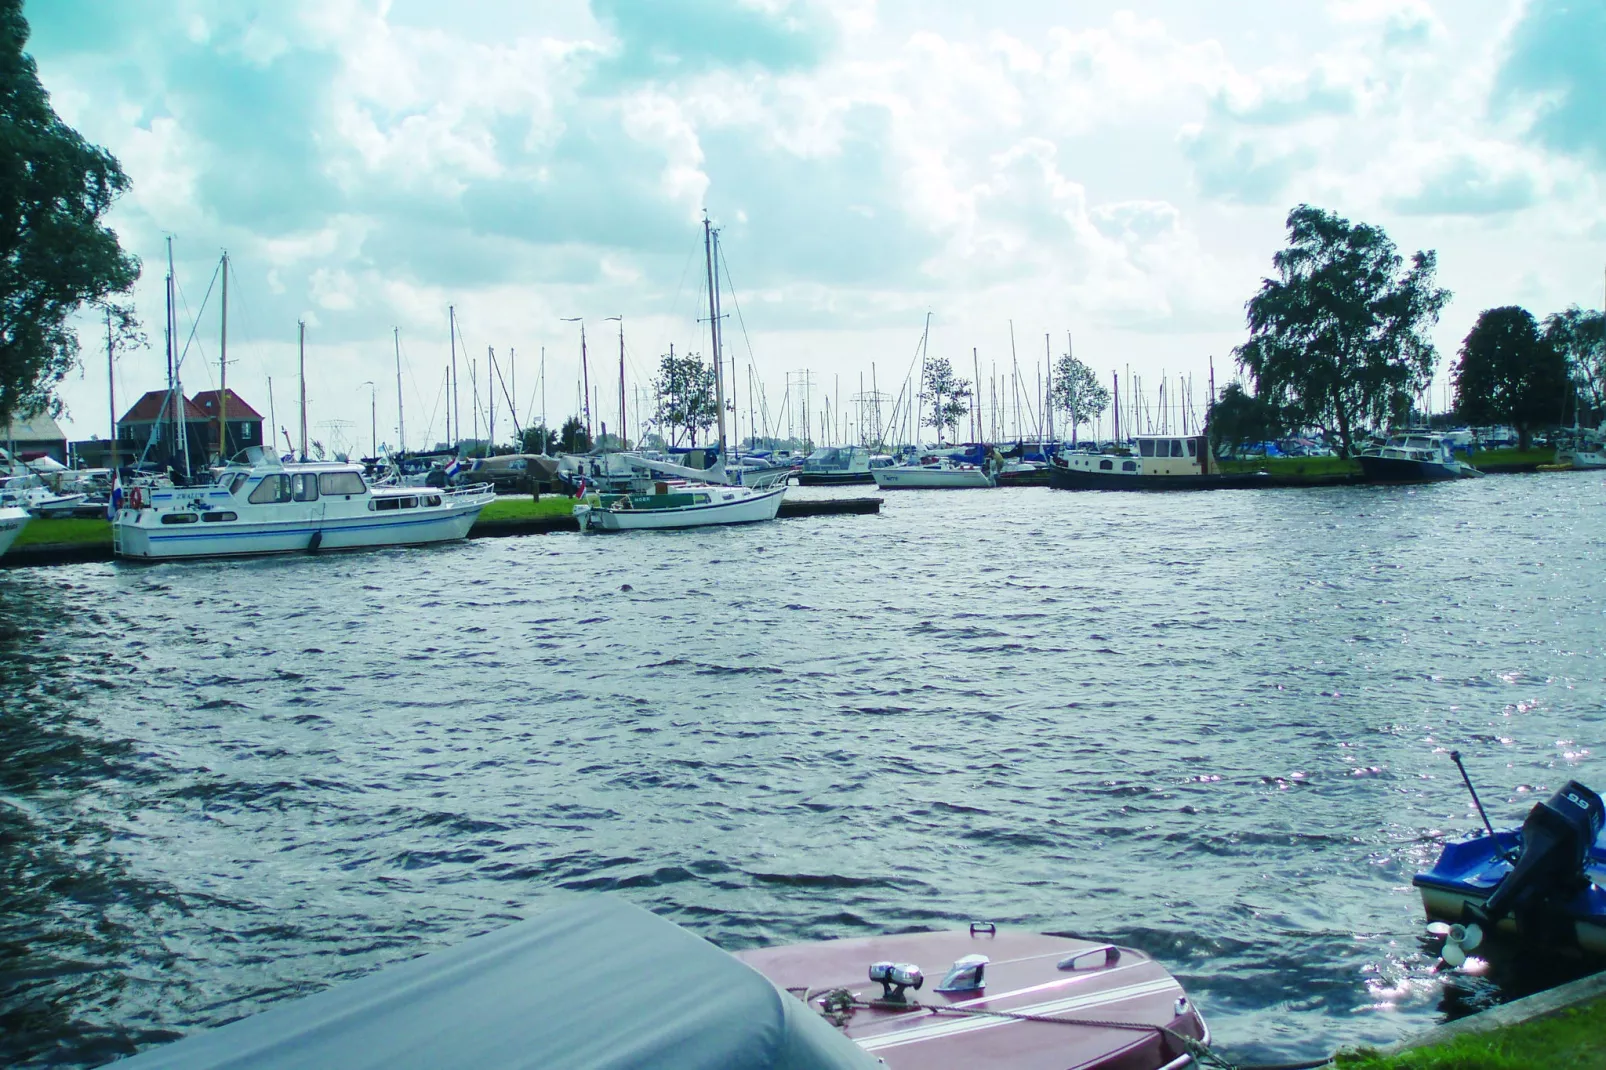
point(55, 254)
point(1339, 339)
point(1579, 335)
point(1238, 419)
point(948, 395)
point(539, 440)
point(685, 392)
point(573, 437)
point(1078, 393)
point(1510, 373)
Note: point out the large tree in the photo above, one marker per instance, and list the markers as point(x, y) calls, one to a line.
point(55, 254)
point(947, 394)
point(573, 437)
point(685, 392)
point(1238, 419)
point(1510, 373)
point(1078, 393)
point(1339, 339)
point(1579, 335)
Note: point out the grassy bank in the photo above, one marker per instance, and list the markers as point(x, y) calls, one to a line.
point(1573, 1038)
point(525, 508)
point(1309, 467)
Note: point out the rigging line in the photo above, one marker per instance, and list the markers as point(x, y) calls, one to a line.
point(418, 395)
point(195, 321)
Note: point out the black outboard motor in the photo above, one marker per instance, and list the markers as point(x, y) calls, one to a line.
point(1556, 838)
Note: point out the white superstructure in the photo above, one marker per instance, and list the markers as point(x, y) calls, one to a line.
point(12, 520)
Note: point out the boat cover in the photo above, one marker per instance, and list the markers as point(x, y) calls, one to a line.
point(595, 984)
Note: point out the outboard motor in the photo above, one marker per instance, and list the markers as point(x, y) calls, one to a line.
point(1556, 838)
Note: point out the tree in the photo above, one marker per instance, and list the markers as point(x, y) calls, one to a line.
point(539, 440)
point(1078, 393)
point(1510, 373)
point(1238, 419)
point(685, 392)
point(1579, 335)
point(573, 437)
point(947, 394)
point(55, 255)
point(1339, 340)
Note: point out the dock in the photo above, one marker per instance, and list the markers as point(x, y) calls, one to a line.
point(78, 553)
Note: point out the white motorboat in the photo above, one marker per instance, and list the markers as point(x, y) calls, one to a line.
point(678, 504)
point(1583, 449)
point(12, 520)
point(263, 506)
point(35, 495)
point(1414, 457)
point(944, 472)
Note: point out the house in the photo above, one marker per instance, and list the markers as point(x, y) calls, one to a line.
point(245, 423)
point(147, 431)
point(31, 437)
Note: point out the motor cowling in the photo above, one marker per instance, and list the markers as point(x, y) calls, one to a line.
point(1556, 838)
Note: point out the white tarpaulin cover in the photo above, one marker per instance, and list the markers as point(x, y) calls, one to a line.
point(595, 984)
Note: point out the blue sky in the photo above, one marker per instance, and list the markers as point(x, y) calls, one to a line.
point(1118, 172)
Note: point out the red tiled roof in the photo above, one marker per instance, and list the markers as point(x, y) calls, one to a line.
point(154, 405)
point(238, 409)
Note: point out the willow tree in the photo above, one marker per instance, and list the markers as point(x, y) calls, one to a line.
point(56, 255)
point(1339, 339)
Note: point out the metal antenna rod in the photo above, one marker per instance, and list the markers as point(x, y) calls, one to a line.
point(1455, 756)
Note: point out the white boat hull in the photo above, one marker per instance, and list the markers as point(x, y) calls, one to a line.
point(901, 478)
point(742, 509)
point(1442, 904)
point(12, 521)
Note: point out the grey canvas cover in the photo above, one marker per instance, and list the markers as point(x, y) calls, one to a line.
point(598, 983)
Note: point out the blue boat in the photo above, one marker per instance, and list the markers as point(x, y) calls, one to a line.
point(1542, 883)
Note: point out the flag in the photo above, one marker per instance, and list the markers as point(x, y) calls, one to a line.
point(580, 491)
point(116, 501)
point(455, 467)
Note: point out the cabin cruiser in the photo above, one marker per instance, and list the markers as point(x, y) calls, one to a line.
point(260, 505)
point(936, 472)
point(32, 493)
point(678, 503)
point(832, 465)
point(603, 984)
point(1582, 449)
point(1414, 457)
point(12, 520)
point(1154, 462)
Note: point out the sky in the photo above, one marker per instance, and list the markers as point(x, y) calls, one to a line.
point(1113, 177)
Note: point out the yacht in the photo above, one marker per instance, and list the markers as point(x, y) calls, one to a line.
point(1152, 462)
point(1414, 457)
point(261, 505)
point(940, 472)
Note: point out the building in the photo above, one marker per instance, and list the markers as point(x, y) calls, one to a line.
point(245, 423)
point(29, 438)
point(147, 432)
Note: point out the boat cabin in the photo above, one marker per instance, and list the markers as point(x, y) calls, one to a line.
point(1148, 455)
point(838, 459)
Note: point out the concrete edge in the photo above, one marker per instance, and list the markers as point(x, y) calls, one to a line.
point(1527, 1009)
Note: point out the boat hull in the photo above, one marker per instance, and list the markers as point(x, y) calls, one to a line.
point(12, 521)
point(1404, 470)
point(931, 478)
point(833, 479)
point(1063, 478)
point(745, 509)
point(1023, 977)
point(136, 536)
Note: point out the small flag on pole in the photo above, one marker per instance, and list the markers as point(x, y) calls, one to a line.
point(455, 467)
point(116, 501)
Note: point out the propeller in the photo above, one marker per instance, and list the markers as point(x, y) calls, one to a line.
point(1458, 940)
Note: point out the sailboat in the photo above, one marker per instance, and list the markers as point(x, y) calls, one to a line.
point(685, 497)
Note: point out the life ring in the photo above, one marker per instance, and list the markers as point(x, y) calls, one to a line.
point(136, 498)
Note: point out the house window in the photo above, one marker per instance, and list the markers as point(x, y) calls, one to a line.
point(245, 433)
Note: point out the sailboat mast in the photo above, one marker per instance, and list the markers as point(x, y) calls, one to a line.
point(171, 408)
point(622, 443)
point(302, 346)
point(223, 372)
point(401, 424)
point(585, 384)
point(111, 390)
point(975, 369)
point(457, 417)
point(713, 328)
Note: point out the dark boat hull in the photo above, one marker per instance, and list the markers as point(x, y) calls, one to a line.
point(1039, 478)
point(833, 479)
point(1401, 470)
point(1076, 479)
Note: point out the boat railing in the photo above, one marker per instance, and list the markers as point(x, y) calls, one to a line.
point(471, 490)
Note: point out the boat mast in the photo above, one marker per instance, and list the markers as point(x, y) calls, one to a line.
point(621, 319)
point(713, 328)
point(111, 389)
point(401, 425)
point(585, 384)
point(171, 407)
point(223, 372)
point(452, 411)
point(545, 431)
point(1048, 392)
point(302, 345)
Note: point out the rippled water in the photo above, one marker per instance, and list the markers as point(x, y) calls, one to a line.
point(1213, 726)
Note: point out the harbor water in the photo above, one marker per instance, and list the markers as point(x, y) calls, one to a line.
point(1214, 726)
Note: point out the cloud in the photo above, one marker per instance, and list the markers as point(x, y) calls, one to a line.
point(1555, 73)
point(1232, 168)
point(1467, 186)
point(1281, 103)
point(665, 39)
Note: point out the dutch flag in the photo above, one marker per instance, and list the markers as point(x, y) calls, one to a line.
point(452, 469)
point(116, 501)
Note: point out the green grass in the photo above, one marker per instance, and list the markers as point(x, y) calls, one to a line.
point(523, 507)
point(1545, 455)
point(69, 532)
point(1574, 1038)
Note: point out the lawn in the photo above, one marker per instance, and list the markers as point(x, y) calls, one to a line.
point(1574, 1038)
point(67, 532)
point(523, 507)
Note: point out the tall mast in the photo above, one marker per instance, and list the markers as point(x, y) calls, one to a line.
point(545, 431)
point(111, 389)
point(401, 425)
point(223, 372)
point(1048, 392)
point(713, 329)
point(171, 407)
point(457, 417)
point(302, 343)
point(622, 443)
point(975, 369)
point(585, 383)
point(273, 420)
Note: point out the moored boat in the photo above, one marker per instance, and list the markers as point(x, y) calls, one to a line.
point(602, 984)
point(12, 520)
point(941, 473)
point(832, 465)
point(679, 504)
point(1414, 457)
point(264, 506)
point(1159, 462)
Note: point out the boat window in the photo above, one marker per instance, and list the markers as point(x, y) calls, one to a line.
point(218, 518)
point(1193, 447)
point(1176, 447)
point(240, 480)
point(409, 503)
point(179, 518)
point(433, 499)
point(304, 486)
point(1105, 466)
point(381, 504)
point(1129, 466)
point(699, 499)
point(1146, 447)
point(271, 491)
point(340, 483)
